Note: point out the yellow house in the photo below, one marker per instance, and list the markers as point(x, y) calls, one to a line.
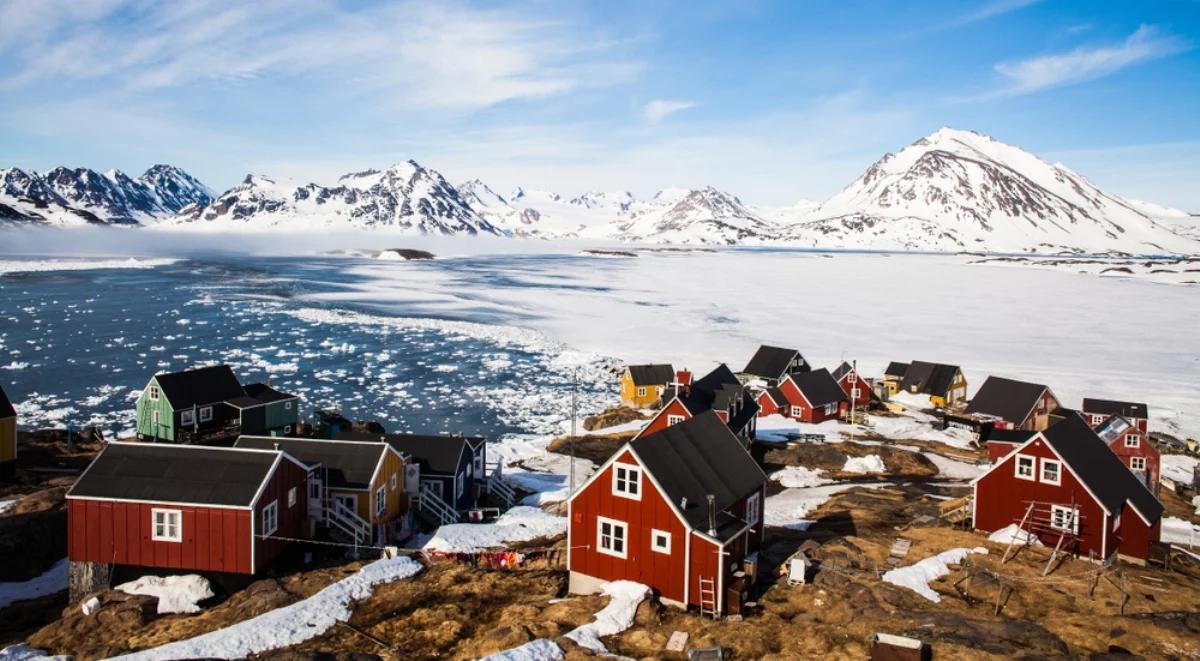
point(355, 487)
point(8, 436)
point(643, 385)
point(945, 384)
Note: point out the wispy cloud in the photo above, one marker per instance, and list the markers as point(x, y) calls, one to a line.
point(658, 109)
point(992, 9)
point(1084, 64)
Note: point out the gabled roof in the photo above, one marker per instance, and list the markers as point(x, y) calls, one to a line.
point(437, 455)
point(697, 457)
point(1101, 471)
point(1017, 436)
point(198, 387)
point(770, 362)
point(747, 411)
point(1110, 407)
point(651, 375)
point(6, 407)
point(842, 370)
point(1007, 399)
point(265, 394)
point(896, 369)
point(818, 387)
point(929, 378)
point(346, 464)
point(776, 396)
point(175, 474)
point(716, 390)
point(1115, 427)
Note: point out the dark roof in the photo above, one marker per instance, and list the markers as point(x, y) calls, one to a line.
point(747, 411)
point(1115, 427)
point(1006, 399)
point(204, 385)
point(6, 407)
point(348, 465)
point(776, 396)
point(266, 394)
point(842, 370)
point(929, 378)
point(438, 455)
point(175, 474)
point(818, 387)
point(896, 369)
point(1099, 468)
point(698, 457)
point(1110, 407)
point(651, 375)
point(718, 389)
point(770, 362)
point(1008, 435)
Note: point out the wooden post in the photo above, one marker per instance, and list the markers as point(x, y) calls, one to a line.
point(85, 578)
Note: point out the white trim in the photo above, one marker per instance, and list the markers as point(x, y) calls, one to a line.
point(1038, 436)
point(1073, 511)
point(641, 391)
point(1137, 440)
point(655, 533)
point(633, 476)
point(186, 419)
point(273, 508)
point(1033, 464)
point(175, 503)
point(380, 497)
point(270, 473)
point(614, 524)
point(1140, 458)
point(673, 419)
point(754, 498)
point(178, 514)
point(687, 565)
point(661, 412)
point(1057, 472)
point(209, 410)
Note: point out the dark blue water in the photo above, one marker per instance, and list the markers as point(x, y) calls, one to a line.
point(77, 346)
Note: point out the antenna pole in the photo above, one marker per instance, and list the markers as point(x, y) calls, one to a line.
point(574, 412)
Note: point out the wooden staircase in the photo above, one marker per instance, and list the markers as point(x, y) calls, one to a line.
point(435, 510)
point(345, 522)
point(496, 486)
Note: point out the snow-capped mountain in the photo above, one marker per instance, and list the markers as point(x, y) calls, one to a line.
point(65, 196)
point(960, 190)
point(406, 196)
point(706, 216)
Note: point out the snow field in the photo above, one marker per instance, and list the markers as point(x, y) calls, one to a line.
point(176, 594)
point(916, 577)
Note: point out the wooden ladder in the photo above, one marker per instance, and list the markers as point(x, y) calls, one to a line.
point(708, 597)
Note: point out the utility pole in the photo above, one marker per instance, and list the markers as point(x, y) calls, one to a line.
point(574, 411)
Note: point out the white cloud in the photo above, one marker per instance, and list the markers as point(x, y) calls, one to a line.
point(658, 109)
point(991, 9)
point(1084, 64)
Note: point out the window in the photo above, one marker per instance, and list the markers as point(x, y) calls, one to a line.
point(206, 414)
point(156, 418)
point(1137, 463)
point(855, 393)
point(1097, 419)
point(627, 481)
point(479, 464)
point(287, 429)
point(395, 482)
point(610, 537)
point(186, 419)
point(658, 390)
point(1025, 467)
point(314, 489)
point(292, 497)
point(830, 409)
point(641, 392)
point(270, 518)
point(1063, 518)
point(168, 525)
point(153, 393)
point(380, 501)
point(660, 542)
point(1051, 471)
point(752, 509)
point(797, 411)
point(1132, 440)
point(458, 486)
point(674, 419)
point(287, 406)
point(853, 377)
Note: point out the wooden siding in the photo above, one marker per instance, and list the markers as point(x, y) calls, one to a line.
point(864, 389)
point(146, 407)
point(629, 394)
point(396, 502)
point(766, 405)
point(659, 421)
point(661, 571)
point(8, 439)
point(1145, 450)
point(1133, 536)
point(291, 520)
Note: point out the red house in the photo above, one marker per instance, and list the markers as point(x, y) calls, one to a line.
point(1096, 411)
point(1002, 441)
point(186, 507)
point(857, 390)
point(679, 510)
point(718, 391)
point(808, 397)
point(1063, 484)
point(1133, 447)
point(1012, 404)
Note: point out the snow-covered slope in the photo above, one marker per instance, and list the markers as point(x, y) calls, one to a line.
point(960, 190)
point(79, 196)
point(406, 196)
point(706, 216)
point(1180, 222)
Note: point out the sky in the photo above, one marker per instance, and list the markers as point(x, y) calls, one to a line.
point(772, 101)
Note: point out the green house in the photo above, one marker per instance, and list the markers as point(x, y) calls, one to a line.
point(209, 404)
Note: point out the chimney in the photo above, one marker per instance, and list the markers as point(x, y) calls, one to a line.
point(683, 503)
point(276, 447)
point(712, 515)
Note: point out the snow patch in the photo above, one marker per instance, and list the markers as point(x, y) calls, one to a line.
point(535, 650)
point(871, 463)
point(1012, 533)
point(917, 577)
point(41, 265)
point(52, 580)
point(519, 524)
point(617, 616)
point(176, 594)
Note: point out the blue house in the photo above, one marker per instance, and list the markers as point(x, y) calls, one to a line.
point(454, 469)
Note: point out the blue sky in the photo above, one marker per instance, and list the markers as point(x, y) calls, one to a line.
point(772, 101)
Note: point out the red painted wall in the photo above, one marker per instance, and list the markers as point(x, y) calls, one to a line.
point(864, 390)
point(997, 449)
point(659, 422)
point(291, 519)
point(705, 563)
point(1001, 499)
point(1145, 449)
point(663, 572)
point(1133, 536)
point(807, 412)
point(766, 405)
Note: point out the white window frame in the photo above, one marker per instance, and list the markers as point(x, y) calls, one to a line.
point(1140, 460)
point(153, 393)
point(206, 414)
point(855, 393)
point(831, 408)
point(624, 475)
point(478, 464)
point(1137, 441)
point(1097, 419)
point(1057, 472)
point(655, 535)
point(614, 525)
point(852, 377)
point(641, 391)
point(291, 497)
point(1032, 475)
point(270, 518)
point(753, 509)
point(674, 420)
point(287, 429)
point(287, 405)
point(381, 501)
point(1055, 510)
point(797, 411)
point(171, 525)
point(458, 486)
point(186, 419)
point(395, 481)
